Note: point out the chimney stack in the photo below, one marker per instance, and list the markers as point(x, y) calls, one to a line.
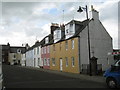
point(94, 13)
point(53, 27)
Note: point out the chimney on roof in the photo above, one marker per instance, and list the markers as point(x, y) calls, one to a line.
point(53, 27)
point(8, 44)
point(94, 13)
point(27, 46)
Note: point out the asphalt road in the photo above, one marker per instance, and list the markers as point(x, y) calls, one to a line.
point(19, 77)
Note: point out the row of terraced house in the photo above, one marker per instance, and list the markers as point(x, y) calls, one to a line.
point(66, 47)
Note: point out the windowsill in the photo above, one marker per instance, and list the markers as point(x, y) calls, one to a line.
point(53, 65)
point(73, 66)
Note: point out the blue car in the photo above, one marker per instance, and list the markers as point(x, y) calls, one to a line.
point(113, 75)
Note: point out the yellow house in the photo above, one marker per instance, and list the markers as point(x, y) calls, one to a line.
point(64, 56)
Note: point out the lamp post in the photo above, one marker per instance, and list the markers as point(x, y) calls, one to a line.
point(80, 10)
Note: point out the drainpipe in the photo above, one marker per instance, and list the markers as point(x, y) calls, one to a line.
point(80, 67)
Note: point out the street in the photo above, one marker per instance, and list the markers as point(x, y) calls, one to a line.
point(19, 77)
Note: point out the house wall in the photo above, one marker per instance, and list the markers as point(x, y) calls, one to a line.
point(100, 43)
point(14, 58)
point(29, 58)
point(37, 56)
point(60, 52)
point(46, 57)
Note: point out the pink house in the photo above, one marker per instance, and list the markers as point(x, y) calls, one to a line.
point(45, 57)
point(45, 52)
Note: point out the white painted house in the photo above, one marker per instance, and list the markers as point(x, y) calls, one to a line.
point(29, 57)
point(37, 55)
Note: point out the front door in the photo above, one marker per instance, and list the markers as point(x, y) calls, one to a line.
point(61, 65)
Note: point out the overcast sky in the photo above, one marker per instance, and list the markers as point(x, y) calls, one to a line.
point(25, 21)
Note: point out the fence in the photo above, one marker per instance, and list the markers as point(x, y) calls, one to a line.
point(86, 70)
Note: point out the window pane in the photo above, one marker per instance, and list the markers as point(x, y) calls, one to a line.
point(66, 62)
point(53, 61)
point(73, 62)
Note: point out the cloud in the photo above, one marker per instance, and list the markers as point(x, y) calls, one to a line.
point(29, 20)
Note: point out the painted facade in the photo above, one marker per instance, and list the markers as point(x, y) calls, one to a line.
point(100, 46)
point(45, 52)
point(29, 57)
point(100, 43)
point(64, 56)
point(45, 57)
point(36, 56)
point(66, 48)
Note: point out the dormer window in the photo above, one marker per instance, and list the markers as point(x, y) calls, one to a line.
point(46, 40)
point(57, 35)
point(66, 30)
point(70, 29)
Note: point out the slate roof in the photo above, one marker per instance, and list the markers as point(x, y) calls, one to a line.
point(82, 25)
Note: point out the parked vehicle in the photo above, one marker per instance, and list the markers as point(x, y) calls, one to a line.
point(113, 75)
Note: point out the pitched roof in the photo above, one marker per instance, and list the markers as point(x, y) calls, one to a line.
point(50, 40)
point(82, 25)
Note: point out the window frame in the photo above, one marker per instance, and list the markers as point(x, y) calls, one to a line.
point(73, 61)
point(66, 59)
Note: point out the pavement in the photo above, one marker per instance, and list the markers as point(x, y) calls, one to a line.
point(94, 78)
